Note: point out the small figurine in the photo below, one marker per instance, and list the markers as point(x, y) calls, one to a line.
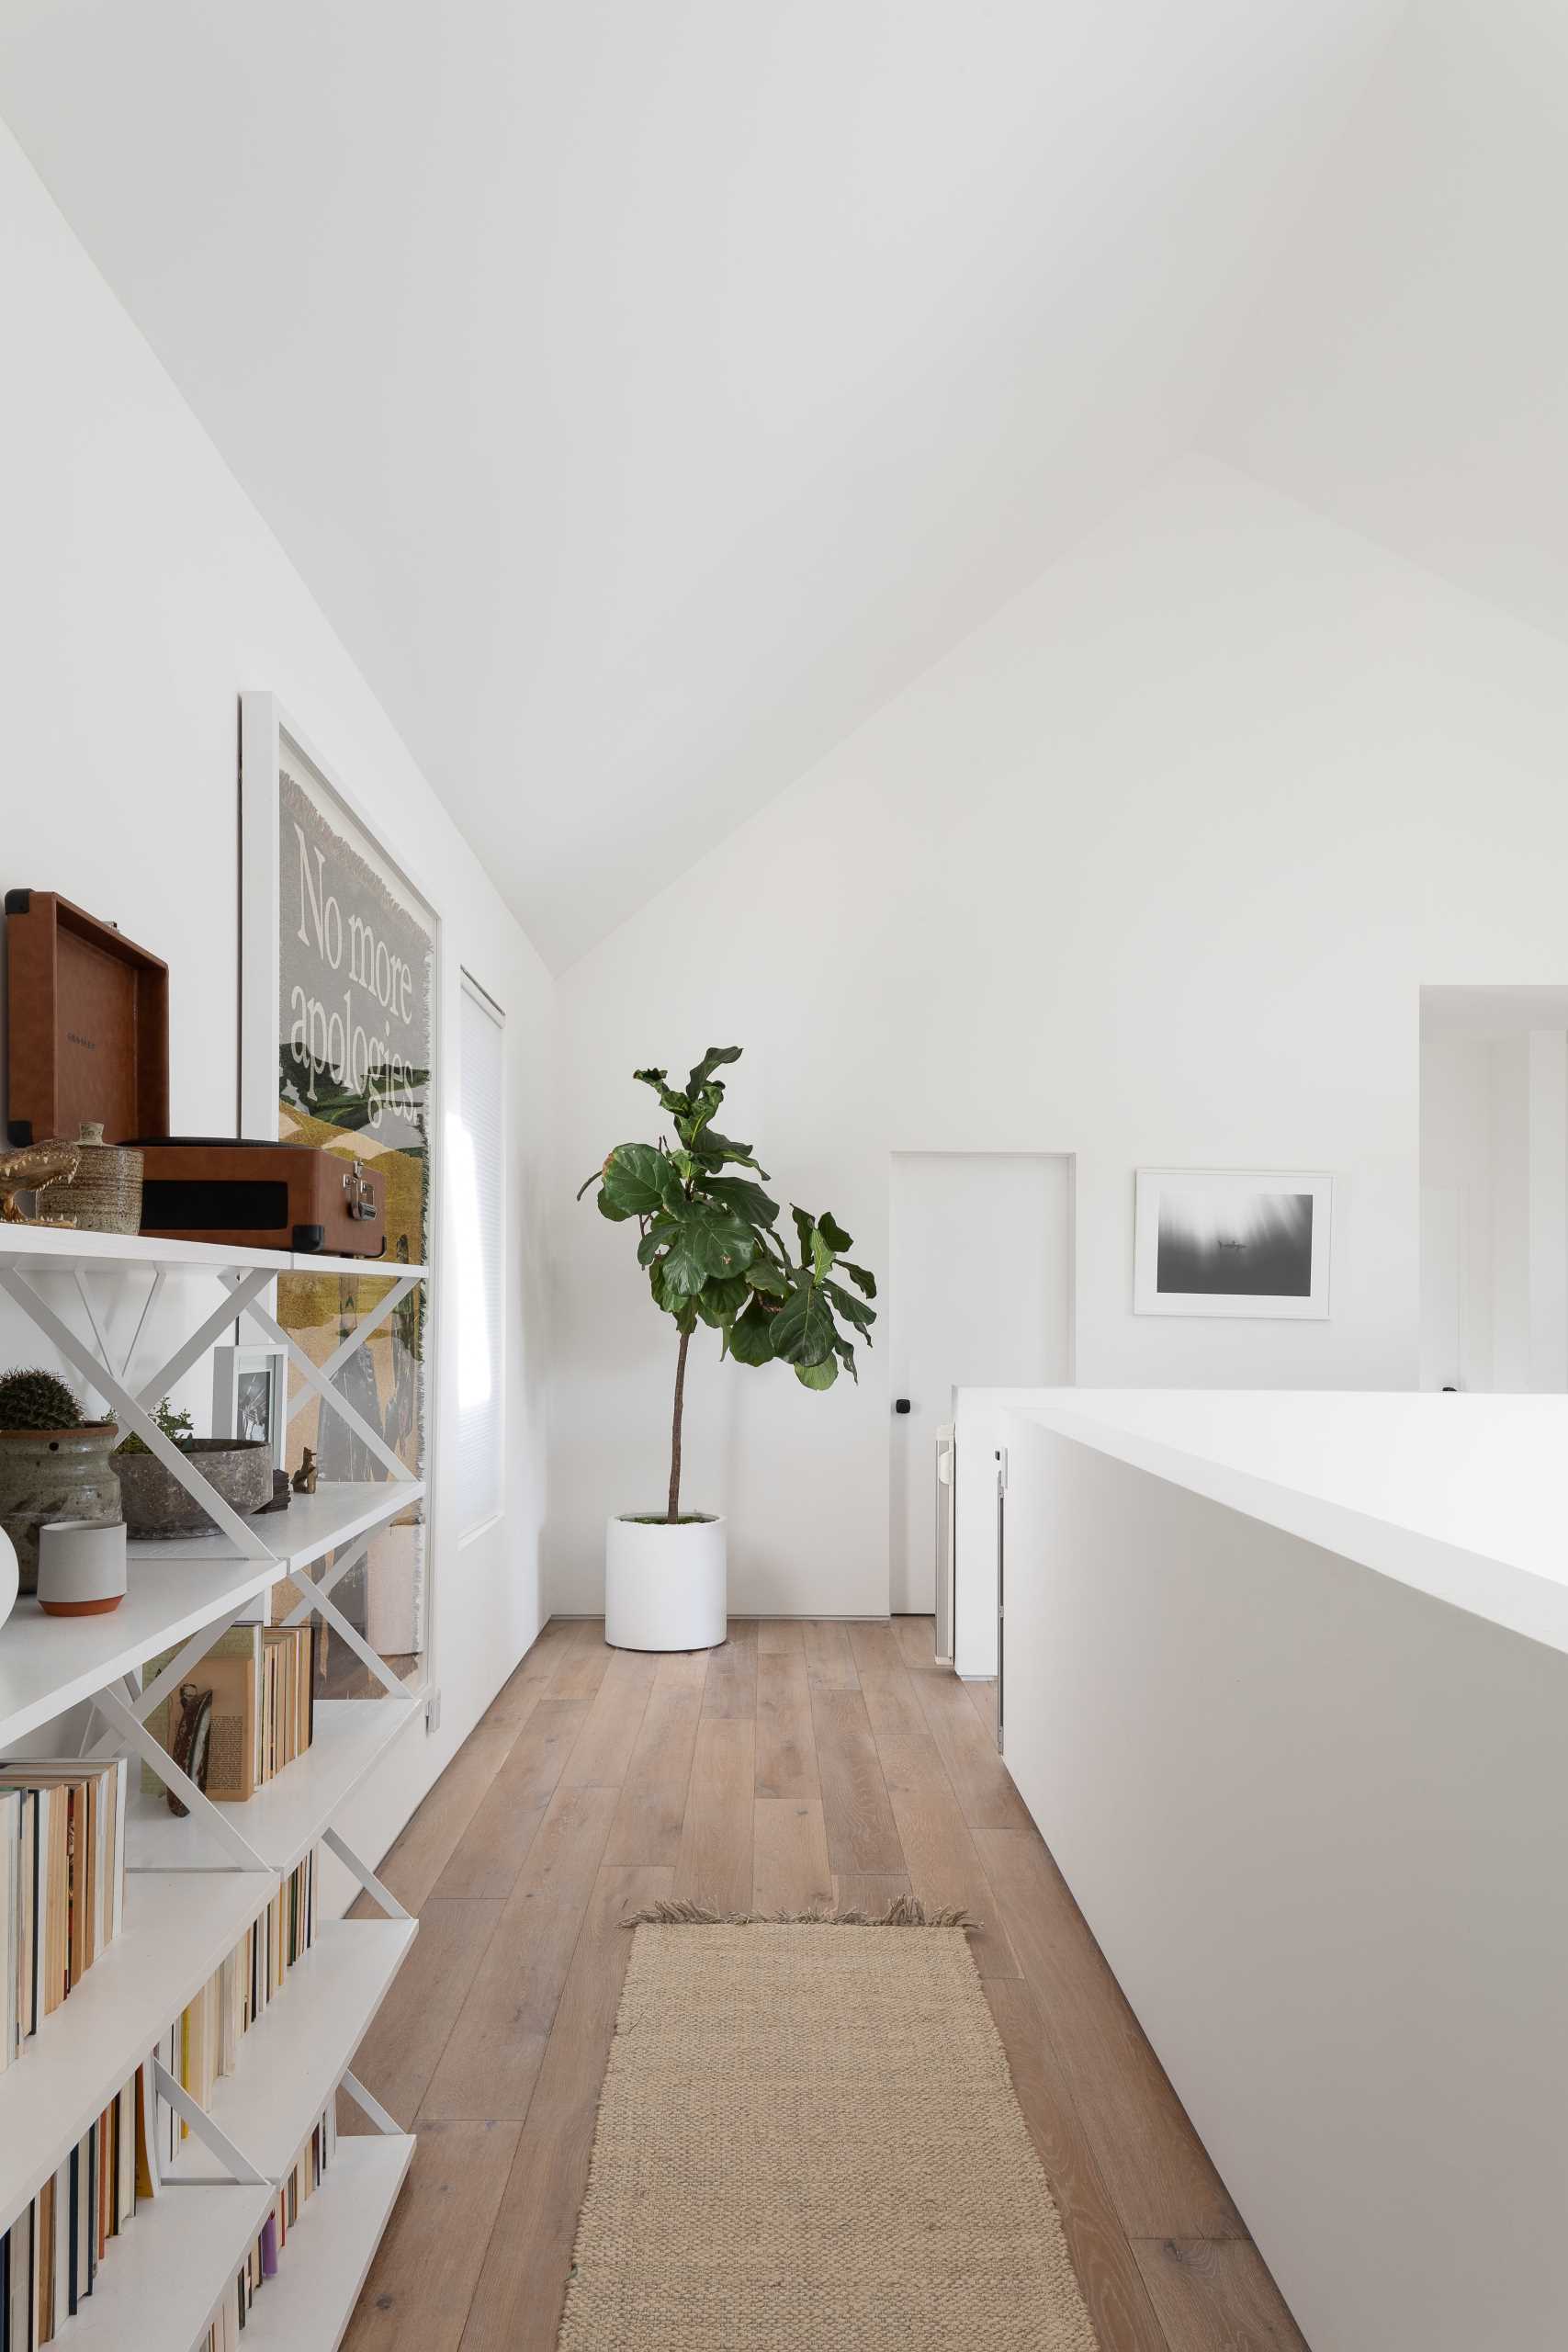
point(304, 1480)
point(32, 1169)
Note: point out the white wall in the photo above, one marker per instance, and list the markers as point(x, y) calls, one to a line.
point(139, 592)
point(1150, 869)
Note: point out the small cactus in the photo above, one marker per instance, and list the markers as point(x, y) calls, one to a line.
point(37, 1400)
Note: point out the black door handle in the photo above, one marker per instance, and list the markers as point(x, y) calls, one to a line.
point(900, 1403)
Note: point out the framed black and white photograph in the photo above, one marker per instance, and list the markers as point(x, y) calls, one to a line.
point(250, 1395)
point(1232, 1241)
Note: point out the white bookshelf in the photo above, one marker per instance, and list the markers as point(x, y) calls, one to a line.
point(187, 1903)
point(295, 2055)
point(308, 2306)
point(162, 2279)
point(178, 1928)
point(288, 1816)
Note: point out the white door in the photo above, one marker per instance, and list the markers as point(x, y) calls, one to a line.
point(979, 1295)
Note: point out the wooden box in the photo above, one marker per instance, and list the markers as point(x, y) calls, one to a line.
point(252, 1195)
point(87, 1024)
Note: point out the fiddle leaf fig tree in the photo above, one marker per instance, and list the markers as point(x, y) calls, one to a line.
point(709, 1243)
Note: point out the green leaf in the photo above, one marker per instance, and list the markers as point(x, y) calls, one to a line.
point(639, 1179)
point(713, 1150)
point(684, 1268)
point(656, 1238)
point(676, 1105)
point(853, 1309)
point(715, 1058)
point(607, 1207)
point(822, 1255)
point(751, 1335)
point(833, 1234)
point(803, 1328)
point(762, 1274)
point(737, 1192)
point(858, 1275)
point(721, 1300)
point(817, 1375)
point(804, 1225)
point(726, 1244)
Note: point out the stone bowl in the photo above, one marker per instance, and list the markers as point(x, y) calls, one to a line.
point(155, 1504)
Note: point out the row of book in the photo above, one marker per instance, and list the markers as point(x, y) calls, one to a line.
point(51, 2256)
point(61, 1884)
point(240, 1713)
point(203, 2043)
point(263, 2258)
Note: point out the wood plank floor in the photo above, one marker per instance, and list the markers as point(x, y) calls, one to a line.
point(803, 1764)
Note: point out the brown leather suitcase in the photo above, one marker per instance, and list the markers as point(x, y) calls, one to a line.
point(87, 1024)
point(254, 1195)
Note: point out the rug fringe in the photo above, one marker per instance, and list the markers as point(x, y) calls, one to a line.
point(903, 1911)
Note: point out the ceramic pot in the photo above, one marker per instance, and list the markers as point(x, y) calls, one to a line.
point(156, 1504)
point(81, 1568)
point(105, 1195)
point(665, 1587)
point(55, 1473)
point(10, 1581)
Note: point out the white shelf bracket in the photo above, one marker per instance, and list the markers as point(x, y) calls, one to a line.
point(312, 1374)
point(213, 2138)
point(371, 2106)
point(331, 1614)
point(339, 1845)
point(131, 1729)
point(133, 1413)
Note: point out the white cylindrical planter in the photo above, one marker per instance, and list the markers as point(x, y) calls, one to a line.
point(81, 1568)
point(665, 1587)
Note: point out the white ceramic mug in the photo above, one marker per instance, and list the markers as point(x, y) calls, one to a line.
point(81, 1568)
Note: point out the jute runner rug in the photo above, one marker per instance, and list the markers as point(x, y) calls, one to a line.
point(807, 2137)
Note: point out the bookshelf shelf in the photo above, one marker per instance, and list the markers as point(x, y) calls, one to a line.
point(177, 1929)
point(308, 2306)
point(295, 2055)
point(48, 1664)
point(287, 1817)
point(46, 1250)
point(312, 1526)
point(160, 2279)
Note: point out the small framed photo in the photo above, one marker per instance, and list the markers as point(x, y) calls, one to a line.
point(250, 1395)
point(1232, 1241)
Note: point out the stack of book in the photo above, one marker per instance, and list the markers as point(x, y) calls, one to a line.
point(203, 2043)
point(62, 1884)
point(234, 2312)
point(261, 1680)
point(49, 2257)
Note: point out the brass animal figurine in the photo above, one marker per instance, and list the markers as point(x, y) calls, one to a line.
point(304, 1480)
point(33, 1170)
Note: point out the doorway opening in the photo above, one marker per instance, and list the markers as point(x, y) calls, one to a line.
point(1494, 1188)
point(980, 1294)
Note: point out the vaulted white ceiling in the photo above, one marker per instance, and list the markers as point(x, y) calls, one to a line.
point(649, 391)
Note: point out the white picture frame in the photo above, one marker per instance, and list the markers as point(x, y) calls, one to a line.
point(1227, 1242)
point(250, 1395)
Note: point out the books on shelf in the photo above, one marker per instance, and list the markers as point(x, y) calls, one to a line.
point(62, 1882)
point(269, 2251)
point(202, 2045)
point(51, 2256)
point(261, 1681)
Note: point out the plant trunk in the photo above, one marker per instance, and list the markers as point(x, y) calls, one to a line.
point(674, 1511)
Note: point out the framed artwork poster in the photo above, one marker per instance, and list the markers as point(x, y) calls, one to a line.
point(1232, 1241)
point(339, 1040)
point(250, 1395)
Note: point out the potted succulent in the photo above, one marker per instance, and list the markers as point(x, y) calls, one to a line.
point(154, 1501)
point(707, 1240)
point(54, 1464)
